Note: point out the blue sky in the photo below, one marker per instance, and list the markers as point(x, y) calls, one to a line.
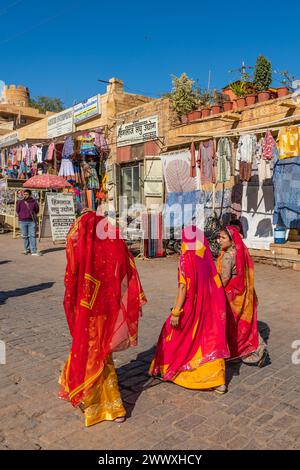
point(60, 48)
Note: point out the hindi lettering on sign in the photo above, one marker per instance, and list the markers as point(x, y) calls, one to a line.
point(62, 215)
point(138, 131)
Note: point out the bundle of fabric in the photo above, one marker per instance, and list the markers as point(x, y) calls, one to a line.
point(286, 181)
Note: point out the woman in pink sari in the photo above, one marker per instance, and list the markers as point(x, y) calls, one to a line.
point(192, 345)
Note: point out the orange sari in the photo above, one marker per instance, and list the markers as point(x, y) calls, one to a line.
point(242, 328)
point(103, 300)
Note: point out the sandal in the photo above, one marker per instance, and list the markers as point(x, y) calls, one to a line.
point(119, 420)
point(221, 390)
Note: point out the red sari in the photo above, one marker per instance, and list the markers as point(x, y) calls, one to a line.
point(242, 328)
point(192, 354)
point(103, 300)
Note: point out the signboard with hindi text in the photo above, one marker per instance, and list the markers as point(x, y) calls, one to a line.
point(138, 131)
point(61, 211)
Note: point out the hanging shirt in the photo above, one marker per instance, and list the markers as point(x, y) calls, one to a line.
point(224, 156)
point(246, 148)
point(51, 150)
point(206, 161)
point(289, 142)
point(68, 148)
point(268, 145)
point(33, 151)
point(39, 155)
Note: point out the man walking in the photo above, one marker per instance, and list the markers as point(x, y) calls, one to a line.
point(27, 210)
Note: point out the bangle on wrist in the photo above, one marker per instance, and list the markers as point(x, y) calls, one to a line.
point(176, 312)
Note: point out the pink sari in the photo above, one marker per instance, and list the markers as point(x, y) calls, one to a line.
point(201, 334)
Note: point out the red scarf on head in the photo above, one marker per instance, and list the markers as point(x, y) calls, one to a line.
point(103, 300)
point(242, 329)
point(201, 334)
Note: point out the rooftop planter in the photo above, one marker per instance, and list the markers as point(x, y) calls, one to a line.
point(227, 105)
point(263, 96)
point(216, 109)
point(194, 115)
point(250, 99)
point(282, 91)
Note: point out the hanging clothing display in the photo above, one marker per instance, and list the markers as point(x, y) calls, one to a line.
point(68, 148)
point(286, 181)
point(177, 172)
point(245, 155)
point(224, 156)
point(87, 146)
point(66, 168)
point(151, 224)
point(93, 181)
point(268, 146)
point(289, 142)
point(206, 162)
point(51, 150)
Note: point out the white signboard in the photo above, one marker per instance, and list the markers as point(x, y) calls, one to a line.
point(86, 109)
point(9, 139)
point(60, 124)
point(62, 214)
point(153, 181)
point(137, 131)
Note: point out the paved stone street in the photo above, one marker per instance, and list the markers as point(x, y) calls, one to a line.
point(261, 410)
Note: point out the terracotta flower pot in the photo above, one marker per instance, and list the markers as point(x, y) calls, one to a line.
point(282, 91)
point(240, 102)
point(205, 112)
point(227, 105)
point(263, 96)
point(194, 115)
point(250, 99)
point(215, 109)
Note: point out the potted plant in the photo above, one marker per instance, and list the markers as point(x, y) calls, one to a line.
point(184, 96)
point(239, 89)
point(194, 115)
point(226, 102)
point(287, 83)
point(205, 99)
point(262, 78)
point(217, 106)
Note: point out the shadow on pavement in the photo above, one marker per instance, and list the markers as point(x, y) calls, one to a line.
point(133, 378)
point(51, 250)
point(24, 291)
point(6, 261)
point(233, 368)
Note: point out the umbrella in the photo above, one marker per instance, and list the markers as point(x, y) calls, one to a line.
point(47, 181)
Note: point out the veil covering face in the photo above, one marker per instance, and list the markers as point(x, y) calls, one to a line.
point(201, 334)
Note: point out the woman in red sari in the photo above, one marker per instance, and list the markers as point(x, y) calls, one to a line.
point(192, 345)
point(236, 270)
point(103, 300)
